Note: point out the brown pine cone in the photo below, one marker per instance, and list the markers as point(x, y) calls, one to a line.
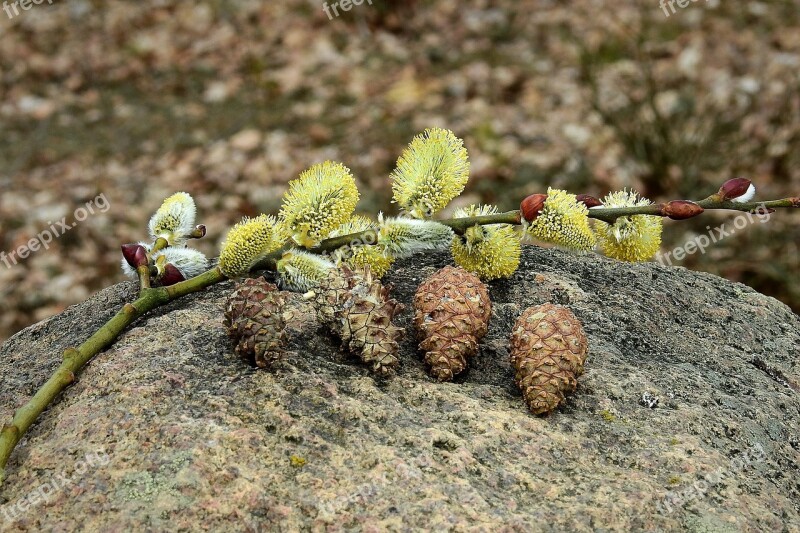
point(358, 309)
point(548, 350)
point(254, 320)
point(452, 315)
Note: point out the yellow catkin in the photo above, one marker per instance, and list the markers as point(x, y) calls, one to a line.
point(322, 198)
point(246, 243)
point(491, 251)
point(563, 221)
point(431, 172)
point(634, 238)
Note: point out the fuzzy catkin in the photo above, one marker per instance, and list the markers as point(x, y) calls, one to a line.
point(253, 316)
point(357, 307)
point(452, 310)
point(548, 351)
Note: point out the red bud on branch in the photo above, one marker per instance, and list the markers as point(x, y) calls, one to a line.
point(171, 276)
point(736, 188)
point(135, 255)
point(589, 201)
point(681, 209)
point(532, 206)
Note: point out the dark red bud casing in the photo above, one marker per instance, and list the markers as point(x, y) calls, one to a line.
point(589, 201)
point(532, 206)
point(135, 255)
point(171, 276)
point(734, 188)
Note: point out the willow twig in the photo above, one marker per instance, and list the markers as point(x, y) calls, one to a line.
point(75, 359)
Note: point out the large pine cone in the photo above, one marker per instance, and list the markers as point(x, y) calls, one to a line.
point(358, 309)
point(254, 319)
point(452, 315)
point(548, 350)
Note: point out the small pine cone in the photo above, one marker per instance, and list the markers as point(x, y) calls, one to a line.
point(452, 315)
point(254, 320)
point(548, 350)
point(358, 309)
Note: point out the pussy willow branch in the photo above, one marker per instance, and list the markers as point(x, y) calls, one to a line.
point(75, 359)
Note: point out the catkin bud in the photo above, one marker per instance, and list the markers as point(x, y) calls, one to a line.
point(558, 219)
point(358, 309)
point(174, 220)
point(431, 172)
point(737, 190)
point(491, 250)
point(548, 350)
point(254, 321)
point(322, 198)
point(247, 243)
point(452, 310)
point(301, 271)
point(630, 238)
point(403, 237)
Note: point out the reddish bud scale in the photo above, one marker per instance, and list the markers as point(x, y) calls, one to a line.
point(681, 209)
point(532, 206)
point(171, 276)
point(135, 255)
point(734, 188)
point(548, 351)
point(452, 310)
point(588, 201)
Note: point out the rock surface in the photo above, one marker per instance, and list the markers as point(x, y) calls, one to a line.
point(168, 430)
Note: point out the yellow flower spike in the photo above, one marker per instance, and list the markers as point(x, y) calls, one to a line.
point(491, 251)
point(322, 198)
point(302, 271)
point(563, 221)
point(358, 255)
point(247, 243)
point(431, 172)
point(635, 238)
point(174, 220)
point(373, 256)
point(402, 237)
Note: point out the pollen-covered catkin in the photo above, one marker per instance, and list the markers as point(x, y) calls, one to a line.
point(548, 350)
point(358, 309)
point(452, 310)
point(254, 320)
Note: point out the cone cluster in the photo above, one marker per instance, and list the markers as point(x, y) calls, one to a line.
point(548, 350)
point(255, 322)
point(358, 309)
point(452, 310)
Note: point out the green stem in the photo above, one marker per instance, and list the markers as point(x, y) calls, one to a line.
point(75, 359)
point(609, 214)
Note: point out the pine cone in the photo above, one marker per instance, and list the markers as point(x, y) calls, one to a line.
point(357, 308)
point(452, 315)
point(254, 320)
point(548, 350)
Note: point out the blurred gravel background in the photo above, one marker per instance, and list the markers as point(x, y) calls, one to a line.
point(229, 100)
